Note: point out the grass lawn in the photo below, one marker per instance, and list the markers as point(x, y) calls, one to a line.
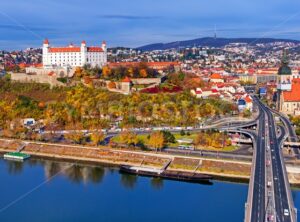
point(225, 149)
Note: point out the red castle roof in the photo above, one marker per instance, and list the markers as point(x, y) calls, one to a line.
point(94, 49)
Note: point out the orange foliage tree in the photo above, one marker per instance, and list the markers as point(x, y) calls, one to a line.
point(106, 71)
point(143, 73)
point(112, 85)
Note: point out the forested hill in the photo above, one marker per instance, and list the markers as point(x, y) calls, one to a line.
point(212, 42)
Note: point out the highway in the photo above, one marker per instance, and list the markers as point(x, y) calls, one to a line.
point(281, 189)
point(271, 198)
point(258, 192)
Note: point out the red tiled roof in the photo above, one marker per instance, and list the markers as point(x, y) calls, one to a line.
point(153, 65)
point(94, 49)
point(294, 94)
point(251, 71)
point(216, 76)
point(64, 49)
point(248, 99)
point(126, 79)
point(51, 73)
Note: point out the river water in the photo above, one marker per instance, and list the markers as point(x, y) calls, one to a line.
point(44, 190)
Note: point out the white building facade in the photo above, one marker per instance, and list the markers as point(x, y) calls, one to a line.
point(74, 56)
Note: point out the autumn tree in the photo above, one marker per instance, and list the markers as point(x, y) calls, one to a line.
point(112, 85)
point(97, 137)
point(129, 138)
point(106, 71)
point(78, 72)
point(143, 73)
point(156, 140)
point(76, 136)
point(130, 71)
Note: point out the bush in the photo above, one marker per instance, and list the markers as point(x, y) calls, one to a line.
point(182, 133)
point(168, 137)
point(63, 80)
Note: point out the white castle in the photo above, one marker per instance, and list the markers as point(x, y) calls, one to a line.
point(74, 56)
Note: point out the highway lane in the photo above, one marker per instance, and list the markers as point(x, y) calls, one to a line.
point(281, 135)
point(258, 195)
point(291, 131)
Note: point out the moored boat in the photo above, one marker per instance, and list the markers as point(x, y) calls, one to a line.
point(16, 156)
point(167, 174)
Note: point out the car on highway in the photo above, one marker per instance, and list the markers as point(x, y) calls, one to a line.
point(286, 212)
point(183, 147)
point(271, 217)
point(269, 184)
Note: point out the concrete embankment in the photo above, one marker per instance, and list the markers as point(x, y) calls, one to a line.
point(220, 169)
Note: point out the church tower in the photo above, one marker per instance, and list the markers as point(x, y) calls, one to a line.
point(284, 79)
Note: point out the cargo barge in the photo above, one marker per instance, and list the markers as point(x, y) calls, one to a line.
point(166, 174)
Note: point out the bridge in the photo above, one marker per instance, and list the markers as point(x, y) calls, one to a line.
point(269, 194)
point(293, 144)
point(291, 134)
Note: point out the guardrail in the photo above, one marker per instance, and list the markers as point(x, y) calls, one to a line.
point(248, 205)
point(293, 210)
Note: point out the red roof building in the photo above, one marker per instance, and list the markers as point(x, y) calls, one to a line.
point(294, 94)
point(126, 80)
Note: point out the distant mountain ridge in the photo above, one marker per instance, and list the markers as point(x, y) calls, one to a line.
point(211, 42)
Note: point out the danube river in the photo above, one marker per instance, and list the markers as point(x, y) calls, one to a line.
point(44, 190)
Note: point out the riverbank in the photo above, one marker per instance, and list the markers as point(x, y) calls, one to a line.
point(232, 170)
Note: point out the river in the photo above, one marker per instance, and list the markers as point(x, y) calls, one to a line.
point(44, 190)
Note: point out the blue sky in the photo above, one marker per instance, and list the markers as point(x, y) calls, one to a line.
point(25, 23)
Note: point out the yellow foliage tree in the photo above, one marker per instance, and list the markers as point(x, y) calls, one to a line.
point(78, 72)
point(75, 136)
point(129, 138)
point(97, 137)
point(156, 140)
point(130, 71)
point(106, 71)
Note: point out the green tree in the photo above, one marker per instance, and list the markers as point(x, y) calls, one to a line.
point(168, 137)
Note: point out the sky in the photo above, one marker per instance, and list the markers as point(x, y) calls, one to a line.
point(133, 23)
